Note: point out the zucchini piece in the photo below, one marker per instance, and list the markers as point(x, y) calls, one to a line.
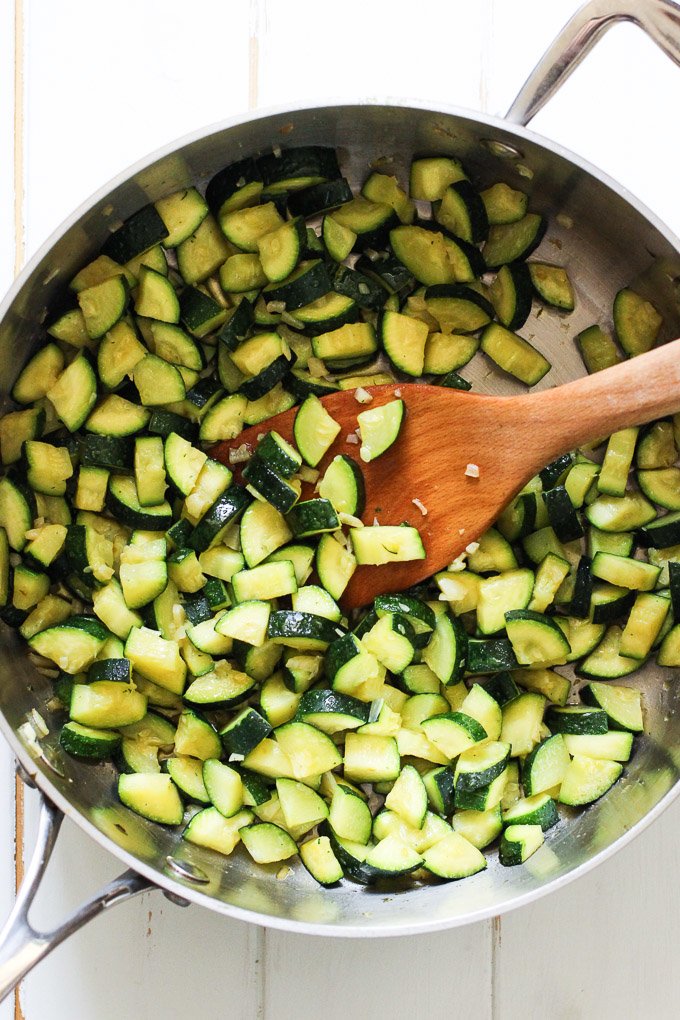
point(346, 345)
point(74, 394)
point(644, 624)
point(298, 167)
point(280, 249)
point(70, 328)
point(48, 467)
point(17, 428)
point(38, 375)
point(202, 253)
point(152, 796)
point(312, 517)
point(552, 285)
point(424, 254)
point(623, 705)
point(453, 732)
point(200, 312)
point(539, 809)
point(320, 197)
point(404, 339)
point(234, 187)
point(636, 322)
point(463, 212)
point(597, 349)
point(457, 308)
point(280, 492)
point(588, 779)
point(87, 742)
point(518, 843)
point(106, 704)
point(155, 297)
point(370, 221)
point(169, 342)
point(656, 447)
point(511, 294)
point(325, 314)
point(631, 512)
point(513, 354)
point(338, 239)
point(661, 486)
point(618, 458)
point(625, 572)
point(386, 544)
point(213, 525)
point(371, 758)
point(302, 807)
point(606, 661)
point(182, 213)
point(315, 430)
point(379, 428)
point(209, 828)
point(308, 281)
point(335, 565)
point(430, 176)
point(138, 234)
point(266, 581)
point(267, 843)
point(504, 204)
point(118, 353)
point(545, 766)
point(536, 640)
point(246, 622)
point(115, 416)
point(157, 381)
point(500, 594)
point(156, 658)
point(103, 305)
point(263, 530)
point(123, 503)
point(508, 242)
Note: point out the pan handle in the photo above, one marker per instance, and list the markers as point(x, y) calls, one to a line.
point(660, 19)
point(22, 945)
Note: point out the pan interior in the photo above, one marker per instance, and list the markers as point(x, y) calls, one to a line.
point(607, 241)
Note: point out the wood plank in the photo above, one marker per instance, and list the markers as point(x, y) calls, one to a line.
point(7, 151)
point(606, 946)
point(10, 253)
point(370, 51)
point(107, 101)
point(117, 89)
point(435, 976)
point(147, 957)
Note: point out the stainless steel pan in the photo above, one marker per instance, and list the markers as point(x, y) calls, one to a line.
point(608, 240)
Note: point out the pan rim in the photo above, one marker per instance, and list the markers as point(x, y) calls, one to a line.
point(40, 777)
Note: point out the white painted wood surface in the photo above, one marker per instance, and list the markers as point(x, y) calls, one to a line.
point(97, 89)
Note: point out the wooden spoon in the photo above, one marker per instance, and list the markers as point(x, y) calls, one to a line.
point(509, 439)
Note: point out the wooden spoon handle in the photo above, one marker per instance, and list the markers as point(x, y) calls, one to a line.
point(632, 393)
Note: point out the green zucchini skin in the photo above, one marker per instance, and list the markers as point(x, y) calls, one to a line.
point(232, 629)
point(141, 231)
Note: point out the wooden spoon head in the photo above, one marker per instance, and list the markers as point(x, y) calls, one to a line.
point(444, 431)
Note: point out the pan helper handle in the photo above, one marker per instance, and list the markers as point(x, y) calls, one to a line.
point(21, 945)
point(660, 19)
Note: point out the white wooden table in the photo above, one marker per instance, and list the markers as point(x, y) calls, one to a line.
point(85, 89)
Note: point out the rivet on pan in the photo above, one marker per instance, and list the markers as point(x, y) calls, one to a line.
point(502, 149)
point(179, 901)
point(187, 870)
